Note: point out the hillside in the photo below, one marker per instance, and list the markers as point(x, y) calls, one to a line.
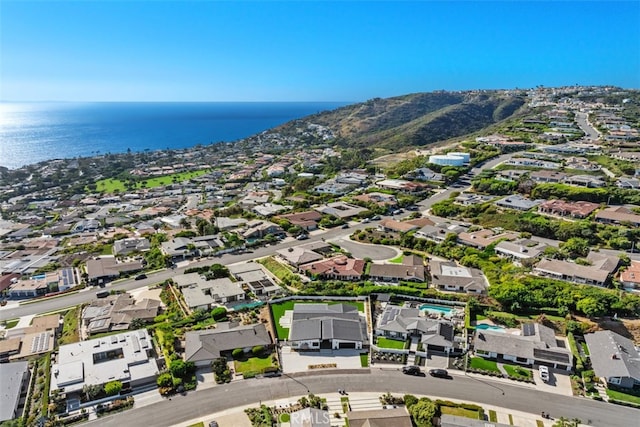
point(416, 120)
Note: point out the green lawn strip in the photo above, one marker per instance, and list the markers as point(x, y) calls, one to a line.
point(518, 371)
point(110, 185)
point(345, 404)
point(200, 424)
point(493, 416)
point(364, 360)
point(253, 364)
point(624, 397)
point(383, 342)
point(460, 412)
point(585, 348)
point(277, 269)
point(70, 328)
point(106, 250)
point(539, 423)
point(397, 260)
point(487, 365)
point(46, 362)
point(11, 323)
point(510, 419)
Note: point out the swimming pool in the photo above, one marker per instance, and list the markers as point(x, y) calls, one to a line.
point(436, 308)
point(485, 327)
point(39, 277)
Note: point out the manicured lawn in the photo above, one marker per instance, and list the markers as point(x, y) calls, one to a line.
point(487, 365)
point(70, 332)
point(253, 364)
point(277, 269)
point(200, 424)
point(364, 360)
point(460, 412)
point(618, 395)
point(11, 323)
point(388, 343)
point(111, 185)
point(397, 260)
point(518, 371)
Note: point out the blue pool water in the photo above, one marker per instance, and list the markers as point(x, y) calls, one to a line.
point(436, 308)
point(39, 276)
point(485, 327)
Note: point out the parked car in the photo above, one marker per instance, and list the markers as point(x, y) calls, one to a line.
point(440, 373)
point(345, 226)
point(302, 237)
point(544, 373)
point(140, 277)
point(376, 218)
point(411, 370)
point(102, 294)
point(213, 424)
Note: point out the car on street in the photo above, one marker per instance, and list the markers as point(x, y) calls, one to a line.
point(440, 373)
point(544, 373)
point(140, 277)
point(102, 294)
point(302, 237)
point(345, 226)
point(411, 370)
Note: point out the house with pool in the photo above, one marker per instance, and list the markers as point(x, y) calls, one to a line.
point(327, 326)
point(432, 332)
point(535, 345)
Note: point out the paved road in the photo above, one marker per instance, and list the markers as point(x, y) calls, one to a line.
point(582, 119)
point(202, 403)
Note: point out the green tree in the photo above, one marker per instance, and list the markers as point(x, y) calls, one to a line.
point(91, 391)
point(165, 380)
point(423, 412)
point(591, 307)
point(112, 388)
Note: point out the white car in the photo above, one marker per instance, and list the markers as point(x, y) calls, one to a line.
point(544, 373)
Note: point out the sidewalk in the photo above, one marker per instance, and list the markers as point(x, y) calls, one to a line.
point(235, 417)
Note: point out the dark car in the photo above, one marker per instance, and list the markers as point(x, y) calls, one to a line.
point(411, 370)
point(345, 226)
point(440, 373)
point(102, 294)
point(140, 277)
point(213, 424)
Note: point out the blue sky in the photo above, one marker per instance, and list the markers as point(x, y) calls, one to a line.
point(159, 50)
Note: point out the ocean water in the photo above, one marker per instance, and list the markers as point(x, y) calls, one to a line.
point(33, 132)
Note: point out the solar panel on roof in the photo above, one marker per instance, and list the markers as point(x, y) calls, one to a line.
point(550, 355)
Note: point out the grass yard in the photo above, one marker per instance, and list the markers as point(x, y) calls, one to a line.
point(111, 185)
point(388, 343)
point(364, 360)
point(618, 395)
point(70, 332)
point(253, 364)
point(200, 424)
point(11, 323)
point(460, 412)
point(397, 260)
point(518, 371)
point(487, 365)
point(277, 269)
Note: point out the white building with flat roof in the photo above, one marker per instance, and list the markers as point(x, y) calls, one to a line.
point(128, 357)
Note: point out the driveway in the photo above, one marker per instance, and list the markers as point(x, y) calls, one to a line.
point(293, 361)
point(361, 250)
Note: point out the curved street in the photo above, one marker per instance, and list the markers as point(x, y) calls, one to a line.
point(203, 403)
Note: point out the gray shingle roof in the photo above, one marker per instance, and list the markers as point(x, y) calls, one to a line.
point(613, 355)
point(208, 344)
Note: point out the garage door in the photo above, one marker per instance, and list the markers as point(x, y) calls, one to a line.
point(347, 345)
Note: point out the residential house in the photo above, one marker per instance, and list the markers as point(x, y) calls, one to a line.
point(298, 255)
point(536, 345)
point(598, 273)
point(614, 358)
point(448, 276)
point(339, 268)
point(436, 335)
point(200, 293)
point(412, 269)
point(341, 210)
point(15, 384)
point(116, 312)
point(305, 220)
point(396, 226)
point(259, 229)
point(482, 238)
point(332, 187)
point(205, 346)
point(546, 176)
point(425, 174)
point(102, 270)
point(439, 231)
point(618, 215)
point(127, 246)
point(589, 181)
point(518, 202)
point(253, 277)
point(179, 248)
point(628, 183)
point(520, 250)
point(470, 199)
point(380, 199)
point(579, 209)
point(127, 357)
point(324, 326)
point(396, 417)
point(630, 278)
point(270, 209)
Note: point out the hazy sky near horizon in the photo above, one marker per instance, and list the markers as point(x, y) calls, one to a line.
point(159, 50)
